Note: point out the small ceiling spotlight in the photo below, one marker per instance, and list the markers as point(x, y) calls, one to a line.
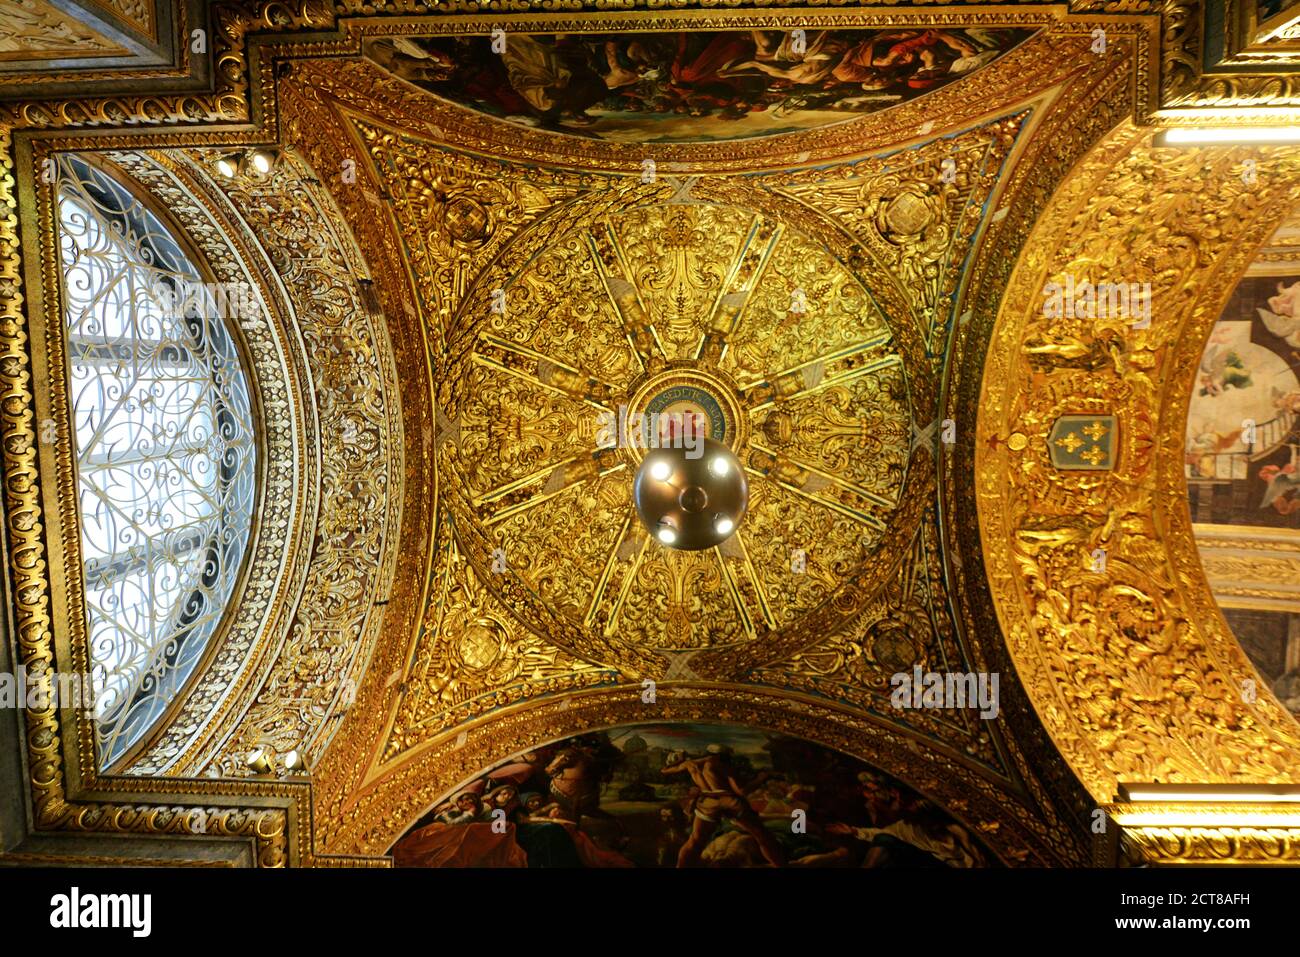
point(255, 163)
point(258, 761)
point(295, 762)
point(261, 161)
point(228, 165)
point(691, 498)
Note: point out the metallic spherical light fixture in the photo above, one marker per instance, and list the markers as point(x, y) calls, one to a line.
point(691, 499)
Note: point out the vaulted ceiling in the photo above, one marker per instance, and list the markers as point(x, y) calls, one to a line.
point(465, 273)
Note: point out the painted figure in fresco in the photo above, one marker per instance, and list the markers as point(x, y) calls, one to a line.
point(576, 774)
point(1283, 484)
point(924, 838)
point(1222, 368)
point(1287, 403)
point(557, 86)
point(917, 59)
point(1282, 318)
point(721, 798)
point(673, 829)
point(464, 807)
point(570, 80)
point(1286, 301)
point(670, 796)
point(905, 831)
point(1204, 448)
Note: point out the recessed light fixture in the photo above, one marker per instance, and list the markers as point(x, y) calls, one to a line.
point(261, 161)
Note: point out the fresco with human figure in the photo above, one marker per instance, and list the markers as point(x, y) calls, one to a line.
point(687, 795)
point(691, 86)
point(1242, 423)
point(1242, 463)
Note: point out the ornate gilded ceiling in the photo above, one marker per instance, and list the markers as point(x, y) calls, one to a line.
point(470, 268)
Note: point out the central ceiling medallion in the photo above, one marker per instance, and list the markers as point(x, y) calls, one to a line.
point(688, 428)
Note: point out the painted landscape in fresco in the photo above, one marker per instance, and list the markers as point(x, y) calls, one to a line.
point(690, 86)
point(677, 795)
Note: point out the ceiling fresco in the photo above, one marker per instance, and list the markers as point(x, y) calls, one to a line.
point(656, 795)
point(685, 87)
point(1243, 462)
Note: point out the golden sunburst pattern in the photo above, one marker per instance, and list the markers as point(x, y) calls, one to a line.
point(719, 309)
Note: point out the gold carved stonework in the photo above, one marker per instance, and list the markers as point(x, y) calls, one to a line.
point(675, 283)
point(1129, 663)
point(1255, 835)
point(473, 432)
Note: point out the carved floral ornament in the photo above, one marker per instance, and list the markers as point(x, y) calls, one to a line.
point(1095, 573)
point(489, 652)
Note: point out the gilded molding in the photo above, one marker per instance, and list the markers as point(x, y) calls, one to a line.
point(273, 576)
point(1236, 834)
point(354, 399)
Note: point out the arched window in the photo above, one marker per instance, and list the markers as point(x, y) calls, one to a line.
point(164, 447)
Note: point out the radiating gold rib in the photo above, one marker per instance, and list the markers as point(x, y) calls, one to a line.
point(627, 587)
point(611, 264)
point(599, 592)
point(835, 356)
point(545, 496)
point(746, 621)
point(831, 477)
point(742, 278)
point(865, 518)
point(764, 607)
point(825, 382)
point(563, 379)
point(528, 479)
